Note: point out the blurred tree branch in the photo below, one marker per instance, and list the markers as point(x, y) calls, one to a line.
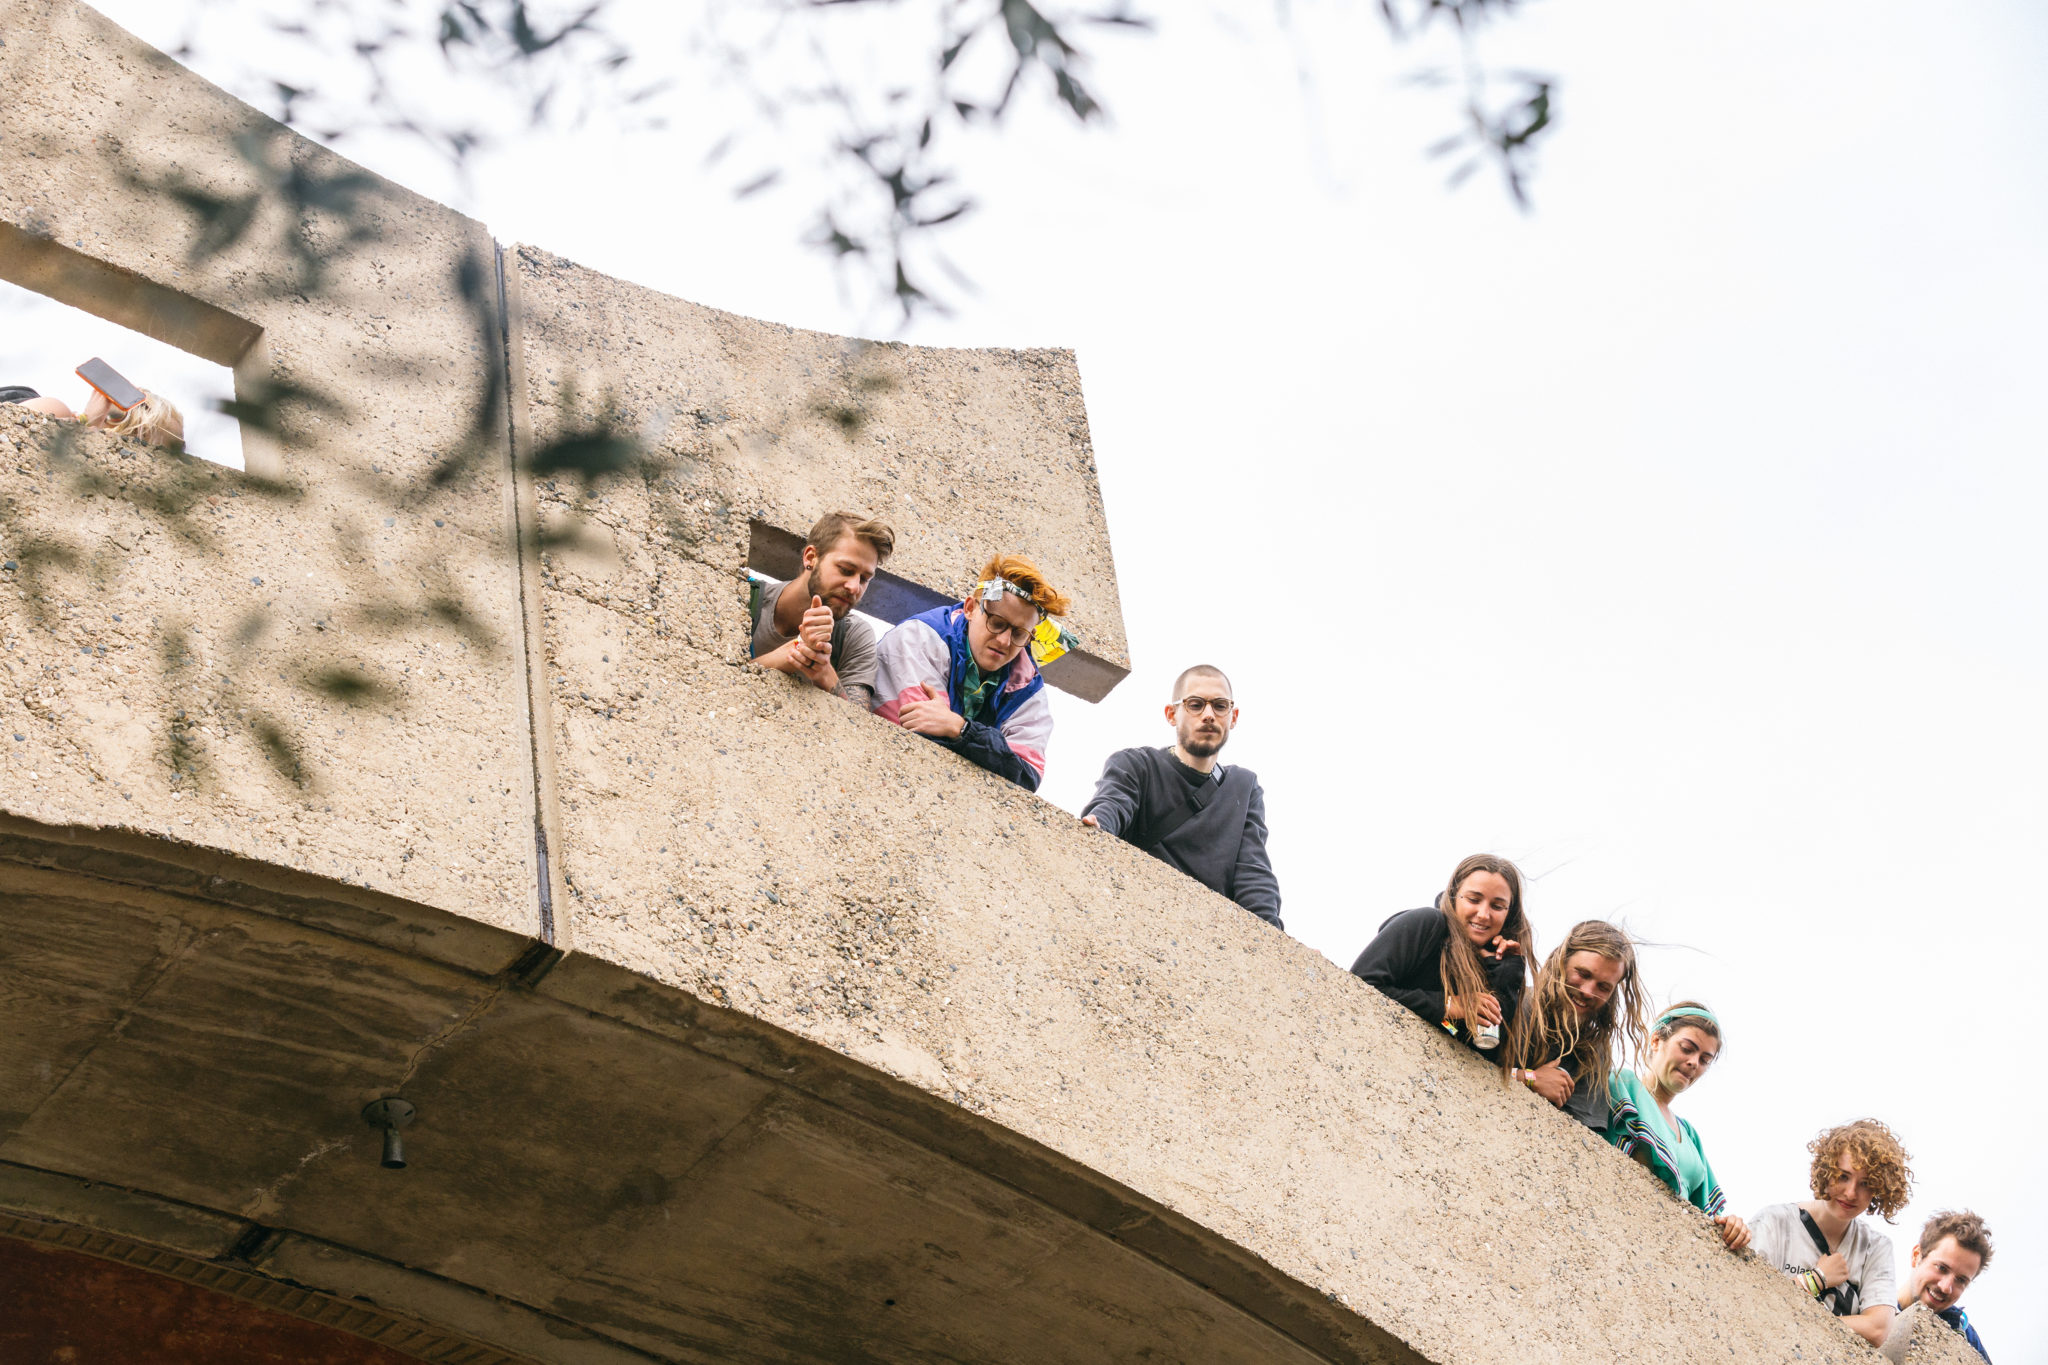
point(892, 145)
point(877, 97)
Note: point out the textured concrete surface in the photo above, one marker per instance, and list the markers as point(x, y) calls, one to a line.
point(815, 1043)
point(965, 453)
point(684, 1183)
point(162, 608)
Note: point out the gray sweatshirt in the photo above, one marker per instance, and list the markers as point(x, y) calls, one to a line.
point(1222, 846)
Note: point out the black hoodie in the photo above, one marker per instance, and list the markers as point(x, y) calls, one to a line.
point(1401, 963)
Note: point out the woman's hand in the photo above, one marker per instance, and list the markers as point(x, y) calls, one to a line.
point(1500, 948)
point(1833, 1268)
point(1488, 1010)
point(1552, 1082)
point(1735, 1233)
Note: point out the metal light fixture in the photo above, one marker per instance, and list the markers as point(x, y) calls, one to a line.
point(391, 1114)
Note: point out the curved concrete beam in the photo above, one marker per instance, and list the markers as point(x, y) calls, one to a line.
point(741, 1025)
point(599, 1159)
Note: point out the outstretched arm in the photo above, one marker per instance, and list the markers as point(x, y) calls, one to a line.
point(1114, 807)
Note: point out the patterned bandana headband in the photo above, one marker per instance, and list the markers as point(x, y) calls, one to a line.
point(1688, 1012)
point(991, 590)
point(1050, 640)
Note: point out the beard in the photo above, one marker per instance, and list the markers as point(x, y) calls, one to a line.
point(814, 588)
point(1203, 746)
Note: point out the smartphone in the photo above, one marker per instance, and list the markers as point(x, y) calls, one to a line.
point(108, 383)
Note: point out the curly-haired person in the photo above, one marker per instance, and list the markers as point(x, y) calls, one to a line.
point(1824, 1242)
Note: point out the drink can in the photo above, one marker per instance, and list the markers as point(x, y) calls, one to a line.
point(1487, 1036)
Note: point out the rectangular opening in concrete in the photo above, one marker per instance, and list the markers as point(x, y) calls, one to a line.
point(60, 306)
point(891, 599)
point(780, 554)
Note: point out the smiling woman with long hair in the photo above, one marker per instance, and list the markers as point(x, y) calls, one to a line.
point(1459, 963)
point(1684, 1041)
point(1588, 998)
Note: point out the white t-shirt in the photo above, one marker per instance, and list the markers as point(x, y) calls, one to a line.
point(1779, 1236)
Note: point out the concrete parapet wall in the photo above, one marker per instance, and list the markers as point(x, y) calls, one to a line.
point(814, 1043)
point(163, 609)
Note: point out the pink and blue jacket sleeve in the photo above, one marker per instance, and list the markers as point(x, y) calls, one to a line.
point(913, 653)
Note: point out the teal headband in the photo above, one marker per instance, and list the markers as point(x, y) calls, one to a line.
point(1688, 1012)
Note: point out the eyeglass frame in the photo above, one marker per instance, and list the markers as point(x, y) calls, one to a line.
point(992, 624)
point(1214, 705)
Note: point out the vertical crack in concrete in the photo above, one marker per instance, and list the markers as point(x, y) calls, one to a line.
point(521, 552)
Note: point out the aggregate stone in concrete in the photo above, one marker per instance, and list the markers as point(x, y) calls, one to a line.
point(965, 453)
point(323, 667)
point(771, 849)
point(840, 1011)
point(730, 1194)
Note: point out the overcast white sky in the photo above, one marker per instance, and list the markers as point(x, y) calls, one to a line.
point(1681, 539)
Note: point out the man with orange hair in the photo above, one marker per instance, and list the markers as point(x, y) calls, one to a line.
point(1825, 1244)
point(964, 676)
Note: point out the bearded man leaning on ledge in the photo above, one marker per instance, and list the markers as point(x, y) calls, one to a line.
point(805, 627)
point(1187, 810)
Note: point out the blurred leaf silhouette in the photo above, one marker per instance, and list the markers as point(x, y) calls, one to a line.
point(350, 685)
point(883, 146)
point(894, 145)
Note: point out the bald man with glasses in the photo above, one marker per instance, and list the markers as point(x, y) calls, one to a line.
point(1187, 810)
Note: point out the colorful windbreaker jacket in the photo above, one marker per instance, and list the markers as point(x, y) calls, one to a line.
point(931, 647)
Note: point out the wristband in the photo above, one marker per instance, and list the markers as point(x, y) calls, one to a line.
point(1816, 1284)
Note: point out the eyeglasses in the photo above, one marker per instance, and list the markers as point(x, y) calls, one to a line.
point(1194, 705)
point(997, 627)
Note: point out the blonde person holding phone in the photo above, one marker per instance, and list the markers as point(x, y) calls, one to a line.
point(1684, 1041)
point(154, 420)
point(962, 674)
point(116, 407)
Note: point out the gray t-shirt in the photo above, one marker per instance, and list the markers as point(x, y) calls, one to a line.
point(1779, 1238)
point(853, 645)
point(1588, 1103)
